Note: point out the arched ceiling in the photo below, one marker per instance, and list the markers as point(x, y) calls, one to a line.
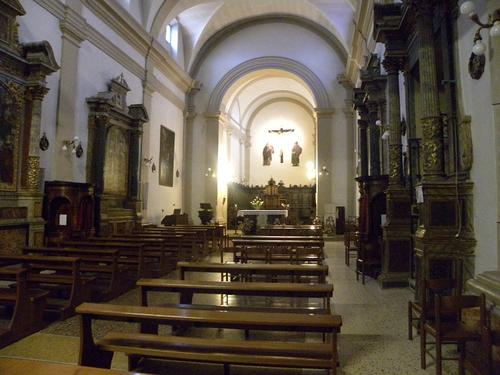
point(255, 89)
point(201, 19)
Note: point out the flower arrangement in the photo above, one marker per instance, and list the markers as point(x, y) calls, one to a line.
point(256, 203)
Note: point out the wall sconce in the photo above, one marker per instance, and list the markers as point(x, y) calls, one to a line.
point(386, 133)
point(210, 173)
point(150, 162)
point(477, 59)
point(323, 171)
point(76, 149)
point(44, 142)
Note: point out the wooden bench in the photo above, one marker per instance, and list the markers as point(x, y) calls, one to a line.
point(197, 237)
point(60, 276)
point(130, 254)
point(26, 306)
point(245, 271)
point(10, 366)
point(291, 230)
point(161, 251)
point(188, 288)
point(292, 251)
point(140, 347)
point(111, 280)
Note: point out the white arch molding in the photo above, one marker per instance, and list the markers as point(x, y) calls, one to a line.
point(269, 62)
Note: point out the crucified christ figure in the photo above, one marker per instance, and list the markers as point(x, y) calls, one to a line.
point(280, 131)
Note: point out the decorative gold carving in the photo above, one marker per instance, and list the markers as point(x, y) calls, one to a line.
point(13, 212)
point(33, 167)
point(13, 240)
point(465, 143)
point(393, 64)
point(37, 209)
point(38, 239)
point(36, 92)
point(11, 99)
point(394, 164)
point(432, 146)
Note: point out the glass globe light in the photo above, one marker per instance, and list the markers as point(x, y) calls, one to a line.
point(378, 123)
point(479, 48)
point(468, 8)
point(495, 29)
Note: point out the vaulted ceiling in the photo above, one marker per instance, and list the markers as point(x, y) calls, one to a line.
point(201, 19)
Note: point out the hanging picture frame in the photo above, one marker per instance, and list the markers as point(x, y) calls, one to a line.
point(167, 145)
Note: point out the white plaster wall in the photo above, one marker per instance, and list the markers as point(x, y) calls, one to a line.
point(30, 30)
point(273, 39)
point(475, 99)
point(95, 71)
point(288, 116)
point(163, 199)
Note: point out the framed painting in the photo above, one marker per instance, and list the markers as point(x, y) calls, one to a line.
point(167, 144)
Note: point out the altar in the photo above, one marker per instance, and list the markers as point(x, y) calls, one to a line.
point(262, 217)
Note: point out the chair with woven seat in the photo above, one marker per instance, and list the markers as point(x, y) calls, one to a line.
point(432, 287)
point(479, 359)
point(369, 260)
point(351, 242)
point(448, 327)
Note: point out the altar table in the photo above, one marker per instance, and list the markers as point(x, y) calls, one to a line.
point(262, 215)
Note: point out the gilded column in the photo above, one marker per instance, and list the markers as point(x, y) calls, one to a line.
point(432, 132)
point(36, 94)
point(392, 66)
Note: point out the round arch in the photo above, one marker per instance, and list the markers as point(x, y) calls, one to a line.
point(270, 62)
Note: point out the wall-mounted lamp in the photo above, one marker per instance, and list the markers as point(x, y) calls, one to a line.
point(150, 162)
point(75, 145)
point(44, 142)
point(324, 171)
point(385, 134)
point(210, 173)
point(477, 59)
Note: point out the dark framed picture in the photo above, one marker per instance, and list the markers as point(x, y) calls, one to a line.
point(167, 144)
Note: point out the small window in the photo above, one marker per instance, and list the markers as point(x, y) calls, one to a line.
point(168, 34)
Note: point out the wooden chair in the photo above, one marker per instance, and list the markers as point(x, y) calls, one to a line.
point(368, 260)
point(351, 243)
point(448, 327)
point(432, 287)
point(479, 359)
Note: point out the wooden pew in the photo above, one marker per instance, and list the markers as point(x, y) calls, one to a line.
point(291, 230)
point(245, 271)
point(177, 246)
point(162, 251)
point(60, 276)
point(292, 251)
point(25, 304)
point(130, 254)
point(99, 352)
point(11, 366)
point(111, 280)
point(186, 289)
point(198, 237)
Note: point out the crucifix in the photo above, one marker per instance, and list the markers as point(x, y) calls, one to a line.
point(280, 131)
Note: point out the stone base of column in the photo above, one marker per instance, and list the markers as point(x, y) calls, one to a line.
point(487, 283)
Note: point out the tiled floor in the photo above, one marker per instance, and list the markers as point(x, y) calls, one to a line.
point(373, 339)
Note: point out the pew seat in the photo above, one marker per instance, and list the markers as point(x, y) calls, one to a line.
point(99, 352)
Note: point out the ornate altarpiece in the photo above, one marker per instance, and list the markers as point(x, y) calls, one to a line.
point(23, 69)
point(113, 158)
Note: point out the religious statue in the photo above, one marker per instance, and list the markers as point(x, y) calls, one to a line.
point(296, 151)
point(267, 154)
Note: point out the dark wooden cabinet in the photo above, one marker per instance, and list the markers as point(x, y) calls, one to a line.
point(68, 210)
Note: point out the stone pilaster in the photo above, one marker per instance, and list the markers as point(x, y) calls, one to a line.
point(324, 158)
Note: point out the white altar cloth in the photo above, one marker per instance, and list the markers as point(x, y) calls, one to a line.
point(262, 212)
